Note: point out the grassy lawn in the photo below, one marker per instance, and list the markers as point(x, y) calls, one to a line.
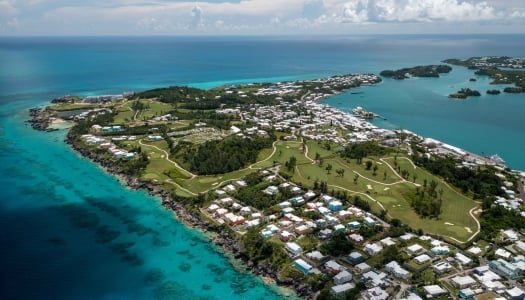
point(454, 220)
point(204, 183)
point(72, 106)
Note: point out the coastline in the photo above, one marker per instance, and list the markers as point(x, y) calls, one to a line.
point(222, 238)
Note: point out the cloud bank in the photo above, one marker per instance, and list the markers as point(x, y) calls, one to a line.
point(259, 16)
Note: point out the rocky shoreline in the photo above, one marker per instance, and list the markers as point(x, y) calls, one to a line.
point(41, 119)
point(226, 240)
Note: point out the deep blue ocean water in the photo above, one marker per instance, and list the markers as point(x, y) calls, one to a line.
point(70, 231)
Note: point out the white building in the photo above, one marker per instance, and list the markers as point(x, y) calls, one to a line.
point(293, 248)
point(434, 290)
point(342, 277)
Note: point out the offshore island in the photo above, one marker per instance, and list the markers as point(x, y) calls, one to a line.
point(310, 197)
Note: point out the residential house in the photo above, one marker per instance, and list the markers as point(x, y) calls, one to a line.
point(335, 205)
point(373, 248)
point(342, 288)
point(440, 250)
point(442, 267)
point(315, 255)
point(376, 293)
point(293, 248)
point(434, 290)
point(342, 277)
point(515, 293)
point(369, 221)
point(395, 269)
point(354, 225)
point(421, 259)
point(362, 267)
point(333, 267)
point(415, 249)
point(374, 278)
point(355, 257)
point(462, 282)
point(388, 241)
point(462, 259)
point(303, 266)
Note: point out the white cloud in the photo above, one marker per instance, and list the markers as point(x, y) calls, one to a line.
point(419, 11)
point(257, 16)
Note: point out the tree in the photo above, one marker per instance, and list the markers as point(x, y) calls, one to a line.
point(414, 177)
point(356, 177)
point(432, 188)
point(291, 163)
point(384, 176)
point(374, 170)
point(328, 168)
point(369, 164)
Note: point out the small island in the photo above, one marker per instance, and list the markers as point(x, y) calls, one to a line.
point(418, 71)
point(464, 93)
point(493, 92)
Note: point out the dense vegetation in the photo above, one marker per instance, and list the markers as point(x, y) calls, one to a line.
point(427, 201)
point(481, 182)
point(504, 76)
point(497, 218)
point(252, 195)
point(493, 92)
point(362, 150)
point(230, 154)
point(464, 93)
point(418, 71)
point(513, 90)
point(259, 249)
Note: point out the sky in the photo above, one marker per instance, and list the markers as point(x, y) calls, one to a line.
point(259, 17)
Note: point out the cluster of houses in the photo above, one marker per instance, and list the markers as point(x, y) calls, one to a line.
point(456, 268)
point(103, 98)
point(498, 62)
point(105, 143)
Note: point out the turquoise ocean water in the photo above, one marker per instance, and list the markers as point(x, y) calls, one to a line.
point(70, 231)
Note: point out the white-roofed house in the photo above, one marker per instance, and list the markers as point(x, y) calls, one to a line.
point(434, 290)
point(442, 267)
point(315, 256)
point(462, 259)
point(395, 269)
point(342, 288)
point(333, 267)
point(462, 282)
point(415, 249)
point(373, 248)
point(293, 248)
point(342, 277)
point(421, 259)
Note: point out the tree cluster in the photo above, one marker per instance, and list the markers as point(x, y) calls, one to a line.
point(362, 150)
point(230, 154)
point(497, 218)
point(427, 202)
point(482, 182)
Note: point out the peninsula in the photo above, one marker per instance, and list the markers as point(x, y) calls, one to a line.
point(501, 69)
point(418, 71)
point(308, 196)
